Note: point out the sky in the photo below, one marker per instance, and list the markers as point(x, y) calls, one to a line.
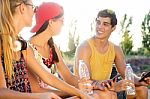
point(84, 11)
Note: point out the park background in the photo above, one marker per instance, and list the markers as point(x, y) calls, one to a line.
point(132, 32)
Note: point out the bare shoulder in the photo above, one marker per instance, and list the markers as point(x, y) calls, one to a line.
point(117, 48)
point(118, 52)
point(84, 45)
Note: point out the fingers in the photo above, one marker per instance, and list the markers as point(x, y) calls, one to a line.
point(123, 84)
point(129, 83)
point(147, 80)
point(97, 85)
point(143, 74)
point(108, 83)
point(54, 96)
point(104, 85)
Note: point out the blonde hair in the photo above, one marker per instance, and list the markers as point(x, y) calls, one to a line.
point(7, 33)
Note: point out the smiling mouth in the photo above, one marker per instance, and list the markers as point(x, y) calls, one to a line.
point(100, 32)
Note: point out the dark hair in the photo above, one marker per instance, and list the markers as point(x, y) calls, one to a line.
point(50, 41)
point(23, 42)
point(108, 13)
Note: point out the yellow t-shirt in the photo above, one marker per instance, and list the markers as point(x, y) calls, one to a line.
point(101, 64)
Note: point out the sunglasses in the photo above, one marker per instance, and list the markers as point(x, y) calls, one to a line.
point(33, 7)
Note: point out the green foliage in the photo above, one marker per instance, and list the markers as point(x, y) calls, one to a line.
point(72, 44)
point(126, 41)
point(143, 51)
point(146, 32)
point(73, 41)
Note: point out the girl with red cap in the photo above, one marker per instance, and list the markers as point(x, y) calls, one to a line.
point(15, 55)
point(49, 21)
point(14, 82)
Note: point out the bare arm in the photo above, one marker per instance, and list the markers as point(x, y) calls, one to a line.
point(64, 71)
point(120, 61)
point(48, 78)
point(83, 52)
point(121, 64)
point(6, 93)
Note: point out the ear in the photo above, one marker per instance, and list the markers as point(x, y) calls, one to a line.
point(113, 28)
point(50, 22)
point(22, 8)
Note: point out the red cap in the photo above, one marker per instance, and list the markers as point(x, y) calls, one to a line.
point(46, 11)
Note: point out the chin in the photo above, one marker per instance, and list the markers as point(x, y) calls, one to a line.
point(29, 25)
point(97, 36)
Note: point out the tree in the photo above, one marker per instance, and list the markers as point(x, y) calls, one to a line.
point(73, 40)
point(146, 32)
point(126, 41)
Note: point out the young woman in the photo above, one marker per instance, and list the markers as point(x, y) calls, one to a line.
point(14, 15)
point(49, 23)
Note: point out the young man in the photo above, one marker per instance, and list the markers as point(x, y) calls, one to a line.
point(99, 53)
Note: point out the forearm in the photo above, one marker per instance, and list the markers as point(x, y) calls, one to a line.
point(60, 93)
point(136, 80)
point(63, 86)
point(10, 94)
point(73, 80)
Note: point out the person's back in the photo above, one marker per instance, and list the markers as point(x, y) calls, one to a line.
point(19, 81)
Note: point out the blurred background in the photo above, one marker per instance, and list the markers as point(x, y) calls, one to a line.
point(132, 32)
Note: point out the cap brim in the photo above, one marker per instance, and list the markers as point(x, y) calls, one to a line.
point(35, 28)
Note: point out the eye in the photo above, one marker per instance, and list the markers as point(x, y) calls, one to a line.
point(98, 22)
point(106, 24)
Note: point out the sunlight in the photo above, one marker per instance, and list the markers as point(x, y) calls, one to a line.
point(84, 11)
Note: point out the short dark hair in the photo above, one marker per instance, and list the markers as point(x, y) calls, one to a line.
point(108, 13)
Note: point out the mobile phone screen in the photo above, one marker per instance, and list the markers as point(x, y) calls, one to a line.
point(145, 76)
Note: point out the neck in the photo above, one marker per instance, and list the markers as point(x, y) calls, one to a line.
point(100, 42)
point(18, 24)
point(41, 39)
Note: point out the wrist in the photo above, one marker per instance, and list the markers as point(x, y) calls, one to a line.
point(94, 84)
point(113, 91)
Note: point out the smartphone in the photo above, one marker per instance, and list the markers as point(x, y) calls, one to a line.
point(145, 76)
point(113, 79)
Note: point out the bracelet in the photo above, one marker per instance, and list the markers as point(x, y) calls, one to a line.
point(95, 84)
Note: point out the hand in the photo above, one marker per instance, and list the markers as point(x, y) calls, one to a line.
point(49, 95)
point(97, 85)
point(109, 84)
point(86, 96)
point(146, 82)
point(85, 85)
point(122, 85)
